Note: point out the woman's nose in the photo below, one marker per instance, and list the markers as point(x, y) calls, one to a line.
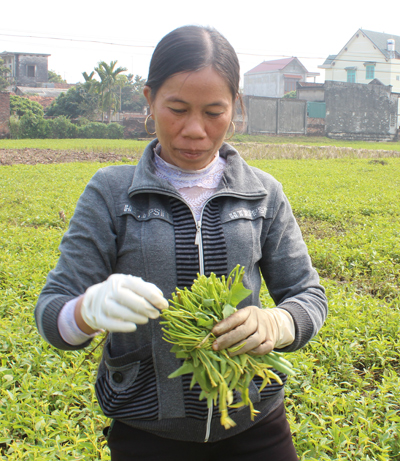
point(194, 127)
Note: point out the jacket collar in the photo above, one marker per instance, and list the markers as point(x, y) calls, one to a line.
point(238, 179)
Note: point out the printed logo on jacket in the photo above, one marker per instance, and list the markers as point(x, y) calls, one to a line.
point(146, 214)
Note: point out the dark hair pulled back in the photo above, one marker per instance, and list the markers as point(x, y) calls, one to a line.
point(191, 48)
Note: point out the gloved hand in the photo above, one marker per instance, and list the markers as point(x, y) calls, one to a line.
point(260, 330)
point(120, 303)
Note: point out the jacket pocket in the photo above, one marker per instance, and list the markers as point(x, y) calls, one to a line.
point(127, 388)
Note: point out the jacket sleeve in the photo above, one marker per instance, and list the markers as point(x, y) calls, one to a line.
point(288, 273)
point(88, 255)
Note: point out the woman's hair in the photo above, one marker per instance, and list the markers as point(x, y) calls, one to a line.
point(191, 48)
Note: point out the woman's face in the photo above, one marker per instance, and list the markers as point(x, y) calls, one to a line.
point(192, 113)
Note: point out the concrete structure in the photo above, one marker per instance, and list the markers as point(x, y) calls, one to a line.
point(275, 78)
point(366, 56)
point(275, 115)
point(359, 111)
point(308, 91)
point(4, 114)
point(26, 69)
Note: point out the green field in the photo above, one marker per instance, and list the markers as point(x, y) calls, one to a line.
point(344, 402)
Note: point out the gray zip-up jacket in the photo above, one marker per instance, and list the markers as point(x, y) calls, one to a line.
point(123, 223)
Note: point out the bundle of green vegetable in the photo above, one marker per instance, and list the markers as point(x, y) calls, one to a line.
point(187, 324)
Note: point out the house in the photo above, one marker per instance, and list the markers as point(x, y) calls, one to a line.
point(275, 78)
point(26, 69)
point(367, 56)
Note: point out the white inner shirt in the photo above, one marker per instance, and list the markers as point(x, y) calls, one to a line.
point(195, 186)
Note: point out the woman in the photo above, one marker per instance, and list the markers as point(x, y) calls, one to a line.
point(191, 205)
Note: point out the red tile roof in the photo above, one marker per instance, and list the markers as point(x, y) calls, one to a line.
point(268, 66)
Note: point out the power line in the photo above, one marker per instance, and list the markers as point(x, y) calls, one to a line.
point(78, 40)
point(102, 42)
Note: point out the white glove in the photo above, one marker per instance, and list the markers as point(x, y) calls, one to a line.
point(121, 302)
point(282, 326)
point(259, 330)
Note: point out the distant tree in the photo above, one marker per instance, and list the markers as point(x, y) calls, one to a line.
point(4, 73)
point(88, 78)
point(111, 91)
point(109, 87)
point(20, 106)
point(77, 102)
point(132, 98)
point(54, 77)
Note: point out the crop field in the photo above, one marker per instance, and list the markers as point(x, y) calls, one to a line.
point(343, 403)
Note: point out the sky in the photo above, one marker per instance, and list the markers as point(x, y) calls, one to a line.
point(79, 34)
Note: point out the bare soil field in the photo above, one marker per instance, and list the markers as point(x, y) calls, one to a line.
point(248, 150)
point(35, 156)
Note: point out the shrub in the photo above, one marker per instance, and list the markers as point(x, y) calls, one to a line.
point(93, 130)
point(61, 128)
point(82, 121)
point(115, 131)
point(32, 126)
point(14, 126)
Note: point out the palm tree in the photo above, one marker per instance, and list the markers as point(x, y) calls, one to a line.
point(109, 87)
point(88, 78)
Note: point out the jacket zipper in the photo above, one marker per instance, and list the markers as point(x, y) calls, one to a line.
point(199, 241)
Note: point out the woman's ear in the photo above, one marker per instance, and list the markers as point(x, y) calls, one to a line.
point(147, 95)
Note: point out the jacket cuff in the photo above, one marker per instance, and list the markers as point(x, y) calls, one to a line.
point(304, 327)
point(49, 322)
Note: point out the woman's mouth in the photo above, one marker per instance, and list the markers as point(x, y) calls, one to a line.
point(191, 153)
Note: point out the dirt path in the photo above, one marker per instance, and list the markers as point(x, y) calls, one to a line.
point(35, 156)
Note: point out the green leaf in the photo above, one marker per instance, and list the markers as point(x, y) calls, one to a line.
point(228, 310)
point(237, 294)
point(208, 302)
point(182, 355)
point(207, 323)
point(176, 348)
point(186, 368)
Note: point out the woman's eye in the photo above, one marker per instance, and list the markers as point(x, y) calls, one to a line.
point(214, 114)
point(177, 111)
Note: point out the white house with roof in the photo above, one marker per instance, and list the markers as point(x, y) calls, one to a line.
point(275, 78)
point(366, 57)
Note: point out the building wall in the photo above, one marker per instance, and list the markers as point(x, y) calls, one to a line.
point(23, 61)
point(265, 84)
point(311, 93)
point(4, 114)
point(9, 63)
point(357, 111)
point(395, 75)
point(315, 126)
